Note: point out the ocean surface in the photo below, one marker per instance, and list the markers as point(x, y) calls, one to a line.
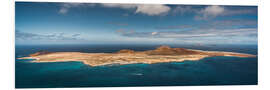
point(209, 71)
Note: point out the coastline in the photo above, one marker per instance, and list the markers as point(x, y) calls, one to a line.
point(159, 55)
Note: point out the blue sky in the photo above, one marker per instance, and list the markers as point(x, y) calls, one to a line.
point(92, 23)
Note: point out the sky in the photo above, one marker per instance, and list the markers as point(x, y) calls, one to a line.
point(107, 23)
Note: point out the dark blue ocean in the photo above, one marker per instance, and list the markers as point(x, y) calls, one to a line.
point(209, 71)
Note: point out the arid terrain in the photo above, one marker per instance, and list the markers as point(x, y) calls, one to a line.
point(125, 56)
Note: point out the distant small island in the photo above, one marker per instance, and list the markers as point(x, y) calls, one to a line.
point(126, 56)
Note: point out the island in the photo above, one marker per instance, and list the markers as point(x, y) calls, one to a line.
point(126, 56)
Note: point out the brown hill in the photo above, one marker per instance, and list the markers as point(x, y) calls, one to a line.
point(166, 50)
point(40, 53)
point(126, 51)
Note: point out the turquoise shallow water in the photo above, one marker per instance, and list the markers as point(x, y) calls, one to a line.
point(208, 71)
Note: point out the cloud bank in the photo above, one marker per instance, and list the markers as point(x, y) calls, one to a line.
point(208, 12)
point(24, 36)
point(202, 36)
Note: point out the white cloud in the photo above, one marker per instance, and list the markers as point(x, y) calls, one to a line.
point(184, 9)
point(152, 10)
point(64, 8)
point(210, 12)
point(148, 9)
point(213, 10)
point(123, 6)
